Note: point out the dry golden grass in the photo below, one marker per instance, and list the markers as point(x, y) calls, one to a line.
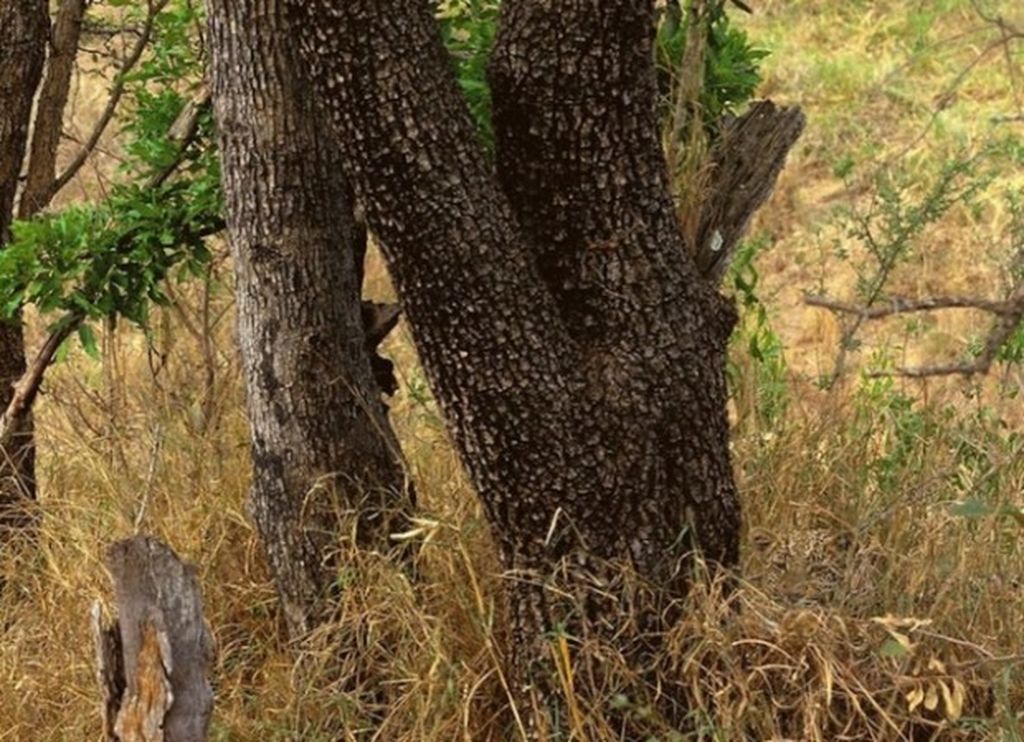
point(871, 76)
point(874, 604)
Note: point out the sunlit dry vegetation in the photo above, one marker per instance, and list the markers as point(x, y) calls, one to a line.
point(881, 594)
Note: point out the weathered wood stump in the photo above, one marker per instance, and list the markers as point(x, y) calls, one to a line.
point(154, 659)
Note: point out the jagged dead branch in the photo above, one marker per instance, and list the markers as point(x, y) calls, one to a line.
point(153, 661)
point(720, 181)
point(745, 164)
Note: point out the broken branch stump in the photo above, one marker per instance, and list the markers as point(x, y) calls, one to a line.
point(153, 660)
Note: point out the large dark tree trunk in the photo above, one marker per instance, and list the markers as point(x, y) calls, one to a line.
point(24, 27)
point(322, 446)
point(577, 353)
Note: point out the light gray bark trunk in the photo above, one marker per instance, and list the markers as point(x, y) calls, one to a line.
point(322, 447)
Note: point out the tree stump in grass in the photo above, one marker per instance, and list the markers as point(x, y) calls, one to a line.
point(153, 659)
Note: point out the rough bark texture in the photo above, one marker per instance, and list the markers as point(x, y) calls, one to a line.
point(575, 350)
point(153, 662)
point(49, 119)
point(23, 35)
point(746, 163)
point(581, 161)
point(322, 447)
point(580, 158)
point(574, 345)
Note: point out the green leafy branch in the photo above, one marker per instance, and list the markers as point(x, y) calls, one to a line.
point(111, 258)
point(469, 28)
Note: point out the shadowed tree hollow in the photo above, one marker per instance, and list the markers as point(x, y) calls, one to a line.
point(575, 347)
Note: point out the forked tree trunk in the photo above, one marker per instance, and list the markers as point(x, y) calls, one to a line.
point(322, 447)
point(24, 27)
point(575, 350)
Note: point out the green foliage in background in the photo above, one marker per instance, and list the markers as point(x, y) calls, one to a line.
point(1013, 349)
point(754, 335)
point(891, 230)
point(730, 61)
point(469, 28)
point(903, 205)
point(109, 257)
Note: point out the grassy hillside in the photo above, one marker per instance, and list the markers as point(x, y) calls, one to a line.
point(883, 570)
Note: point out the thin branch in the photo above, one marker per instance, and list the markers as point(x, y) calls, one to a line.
point(947, 98)
point(997, 20)
point(183, 131)
point(1010, 315)
point(106, 30)
point(1008, 118)
point(147, 488)
point(1002, 330)
point(116, 92)
point(105, 151)
point(901, 305)
point(28, 386)
point(1007, 33)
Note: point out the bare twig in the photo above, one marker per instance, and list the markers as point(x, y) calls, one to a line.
point(147, 488)
point(1001, 331)
point(996, 20)
point(948, 97)
point(1008, 118)
point(107, 30)
point(902, 305)
point(1007, 34)
point(1009, 313)
point(116, 92)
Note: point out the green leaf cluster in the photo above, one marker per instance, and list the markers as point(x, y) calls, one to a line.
point(731, 62)
point(109, 257)
point(468, 28)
